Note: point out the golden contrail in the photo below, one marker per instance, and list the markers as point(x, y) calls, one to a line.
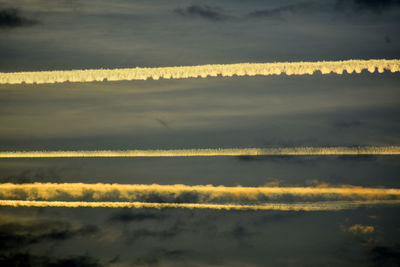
point(241, 69)
point(316, 206)
point(295, 151)
point(178, 193)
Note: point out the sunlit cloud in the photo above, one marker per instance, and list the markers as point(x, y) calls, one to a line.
point(203, 71)
point(316, 206)
point(208, 152)
point(361, 229)
point(200, 196)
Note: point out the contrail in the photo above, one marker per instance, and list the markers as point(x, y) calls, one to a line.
point(200, 194)
point(211, 152)
point(203, 71)
point(318, 206)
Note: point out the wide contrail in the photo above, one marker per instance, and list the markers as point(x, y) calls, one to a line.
point(208, 152)
point(225, 70)
point(199, 194)
point(316, 206)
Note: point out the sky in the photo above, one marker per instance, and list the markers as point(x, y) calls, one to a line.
point(217, 112)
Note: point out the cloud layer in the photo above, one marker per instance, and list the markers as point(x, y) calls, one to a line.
point(203, 197)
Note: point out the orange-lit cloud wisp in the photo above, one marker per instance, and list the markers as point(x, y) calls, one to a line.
point(295, 151)
point(227, 70)
point(184, 196)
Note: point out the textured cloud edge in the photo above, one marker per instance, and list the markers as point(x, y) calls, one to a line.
point(317, 206)
point(199, 196)
point(209, 152)
point(203, 71)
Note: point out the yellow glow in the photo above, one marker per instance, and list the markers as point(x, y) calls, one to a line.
point(203, 71)
point(186, 193)
point(316, 206)
point(361, 229)
point(295, 151)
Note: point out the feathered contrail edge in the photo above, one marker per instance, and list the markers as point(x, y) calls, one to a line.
point(203, 71)
point(200, 194)
point(316, 206)
point(295, 151)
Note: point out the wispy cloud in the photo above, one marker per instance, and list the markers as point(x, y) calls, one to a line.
point(278, 11)
point(11, 18)
point(361, 229)
point(375, 6)
point(202, 11)
point(184, 196)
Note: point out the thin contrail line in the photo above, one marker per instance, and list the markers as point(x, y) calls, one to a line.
point(203, 71)
point(295, 151)
point(316, 206)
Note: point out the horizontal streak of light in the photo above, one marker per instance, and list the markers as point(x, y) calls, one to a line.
point(202, 193)
point(240, 69)
point(295, 151)
point(316, 206)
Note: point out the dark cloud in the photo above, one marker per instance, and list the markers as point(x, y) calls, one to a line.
point(206, 12)
point(375, 6)
point(163, 123)
point(157, 255)
point(187, 197)
point(11, 18)
point(282, 159)
point(143, 233)
point(370, 158)
point(33, 175)
point(27, 259)
point(240, 232)
point(126, 216)
point(19, 235)
point(346, 124)
point(385, 255)
point(81, 261)
point(279, 11)
point(275, 217)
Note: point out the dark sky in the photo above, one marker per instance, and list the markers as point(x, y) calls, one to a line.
point(273, 111)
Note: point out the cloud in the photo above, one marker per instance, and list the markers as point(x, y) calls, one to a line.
point(193, 197)
point(11, 18)
point(181, 194)
point(239, 232)
point(203, 71)
point(27, 259)
point(279, 11)
point(33, 175)
point(205, 12)
point(375, 6)
point(156, 256)
point(305, 206)
point(142, 233)
point(126, 216)
point(163, 123)
point(344, 124)
point(209, 152)
point(17, 235)
point(361, 229)
point(386, 256)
